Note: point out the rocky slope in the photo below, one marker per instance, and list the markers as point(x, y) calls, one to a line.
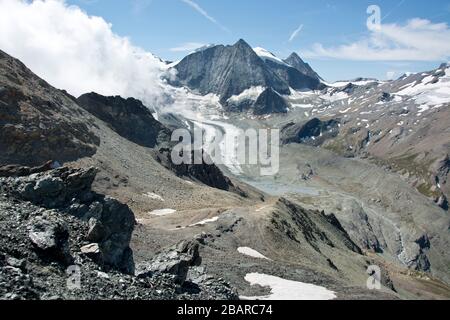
point(298, 75)
point(38, 122)
point(52, 219)
point(128, 117)
point(401, 125)
point(296, 62)
point(313, 132)
point(60, 240)
point(269, 102)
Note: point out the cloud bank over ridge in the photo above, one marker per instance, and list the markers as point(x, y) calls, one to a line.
point(77, 52)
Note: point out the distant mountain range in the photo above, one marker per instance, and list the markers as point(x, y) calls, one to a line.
point(388, 120)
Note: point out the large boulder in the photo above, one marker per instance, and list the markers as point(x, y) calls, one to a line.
point(175, 261)
point(49, 235)
point(108, 223)
point(52, 189)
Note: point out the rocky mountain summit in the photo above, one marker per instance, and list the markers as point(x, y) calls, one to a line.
point(296, 62)
point(228, 71)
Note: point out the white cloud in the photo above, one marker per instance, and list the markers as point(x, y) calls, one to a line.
point(77, 52)
point(295, 33)
point(187, 47)
point(417, 40)
point(203, 12)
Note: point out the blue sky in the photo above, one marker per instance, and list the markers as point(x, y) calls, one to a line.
point(161, 26)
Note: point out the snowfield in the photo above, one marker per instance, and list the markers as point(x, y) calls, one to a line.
point(426, 92)
point(203, 222)
point(251, 253)
point(282, 289)
point(154, 196)
point(250, 94)
point(162, 212)
point(267, 55)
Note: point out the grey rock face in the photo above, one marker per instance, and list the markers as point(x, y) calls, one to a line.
point(296, 62)
point(175, 261)
point(313, 132)
point(50, 236)
point(362, 229)
point(128, 117)
point(414, 253)
point(299, 227)
point(109, 223)
point(295, 78)
point(270, 102)
point(208, 174)
point(20, 171)
point(53, 188)
point(227, 71)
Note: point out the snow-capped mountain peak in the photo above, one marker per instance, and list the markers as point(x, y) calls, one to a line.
point(267, 55)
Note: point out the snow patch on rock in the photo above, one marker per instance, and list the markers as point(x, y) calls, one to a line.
point(251, 253)
point(203, 222)
point(153, 196)
point(162, 212)
point(282, 289)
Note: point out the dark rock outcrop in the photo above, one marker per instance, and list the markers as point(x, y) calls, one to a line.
point(67, 191)
point(128, 117)
point(442, 202)
point(270, 102)
point(208, 174)
point(313, 132)
point(295, 78)
point(21, 171)
point(296, 62)
point(348, 241)
point(175, 261)
point(300, 226)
